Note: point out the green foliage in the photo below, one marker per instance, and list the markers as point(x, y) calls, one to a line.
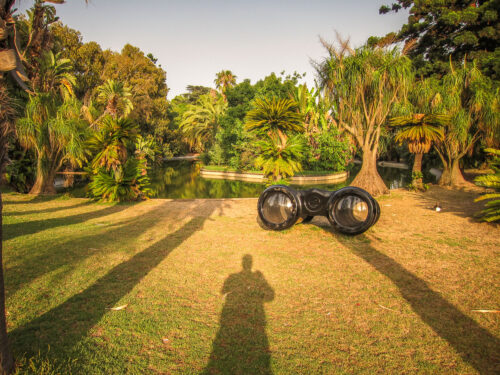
point(200, 121)
point(470, 100)
point(110, 144)
point(440, 30)
point(21, 169)
point(491, 213)
point(115, 96)
point(274, 116)
point(280, 160)
point(330, 152)
point(127, 182)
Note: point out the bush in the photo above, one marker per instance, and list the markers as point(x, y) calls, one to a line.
point(327, 151)
point(492, 211)
point(125, 183)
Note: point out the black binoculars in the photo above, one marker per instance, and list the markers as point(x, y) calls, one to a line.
point(349, 210)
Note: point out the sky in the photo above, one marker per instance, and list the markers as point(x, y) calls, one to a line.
point(195, 39)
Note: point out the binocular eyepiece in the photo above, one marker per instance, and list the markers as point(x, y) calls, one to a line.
point(350, 210)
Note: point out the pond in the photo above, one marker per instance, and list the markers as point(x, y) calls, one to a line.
point(182, 180)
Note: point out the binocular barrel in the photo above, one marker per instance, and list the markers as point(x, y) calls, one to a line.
point(350, 210)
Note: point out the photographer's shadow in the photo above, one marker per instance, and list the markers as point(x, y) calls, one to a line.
point(241, 345)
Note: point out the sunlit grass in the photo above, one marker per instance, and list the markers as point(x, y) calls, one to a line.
point(398, 299)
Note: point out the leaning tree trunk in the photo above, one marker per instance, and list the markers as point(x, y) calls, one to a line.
point(6, 359)
point(368, 177)
point(452, 176)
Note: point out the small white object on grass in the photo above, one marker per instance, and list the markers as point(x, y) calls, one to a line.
point(118, 307)
point(437, 207)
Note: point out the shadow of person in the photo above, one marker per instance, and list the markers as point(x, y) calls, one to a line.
point(241, 345)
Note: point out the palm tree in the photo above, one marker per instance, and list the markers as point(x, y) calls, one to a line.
point(275, 117)
point(223, 80)
point(116, 98)
point(56, 134)
point(201, 120)
point(363, 85)
point(54, 76)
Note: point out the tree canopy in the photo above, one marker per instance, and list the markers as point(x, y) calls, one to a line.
point(449, 29)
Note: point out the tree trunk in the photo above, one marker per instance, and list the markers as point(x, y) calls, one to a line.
point(452, 176)
point(417, 164)
point(44, 183)
point(417, 183)
point(6, 359)
point(368, 177)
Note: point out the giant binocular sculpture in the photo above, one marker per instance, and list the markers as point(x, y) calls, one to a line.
point(350, 210)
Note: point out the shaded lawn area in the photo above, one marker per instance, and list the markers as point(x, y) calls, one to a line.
point(207, 291)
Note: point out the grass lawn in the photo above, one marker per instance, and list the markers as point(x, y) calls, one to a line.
point(203, 289)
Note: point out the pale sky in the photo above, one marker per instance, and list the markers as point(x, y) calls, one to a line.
point(195, 39)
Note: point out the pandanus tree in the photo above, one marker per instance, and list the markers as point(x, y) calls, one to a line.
point(201, 120)
point(420, 123)
point(273, 120)
point(363, 85)
point(472, 103)
point(55, 132)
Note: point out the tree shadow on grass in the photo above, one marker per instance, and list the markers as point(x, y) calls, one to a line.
point(67, 324)
point(241, 345)
point(47, 210)
point(11, 231)
point(473, 343)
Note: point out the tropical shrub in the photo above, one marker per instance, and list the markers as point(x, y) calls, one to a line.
point(128, 182)
point(280, 160)
point(331, 152)
point(491, 213)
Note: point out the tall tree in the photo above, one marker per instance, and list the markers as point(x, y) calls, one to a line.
point(420, 123)
point(223, 80)
point(472, 102)
point(201, 121)
point(447, 29)
point(363, 85)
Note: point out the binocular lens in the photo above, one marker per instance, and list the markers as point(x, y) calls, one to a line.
point(350, 211)
point(277, 208)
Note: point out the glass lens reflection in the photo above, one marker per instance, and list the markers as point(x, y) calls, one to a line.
point(277, 208)
point(351, 211)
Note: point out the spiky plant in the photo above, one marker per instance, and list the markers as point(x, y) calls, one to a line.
point(111, 142)
point(201, 120)
point(280, 160)
point(127, 182)
point(275, 117)
point(491, 213)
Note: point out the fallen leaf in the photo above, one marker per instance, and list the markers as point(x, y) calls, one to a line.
point(118, 307)
point(487, 311)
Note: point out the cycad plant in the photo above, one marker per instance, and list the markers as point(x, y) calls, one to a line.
point(420, 123)
point(127, 182)
point(491, 213)
point(272, 120)
point(278, 160)
point(115, 176)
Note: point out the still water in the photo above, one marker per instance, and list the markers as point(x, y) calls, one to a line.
point(182, 180)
